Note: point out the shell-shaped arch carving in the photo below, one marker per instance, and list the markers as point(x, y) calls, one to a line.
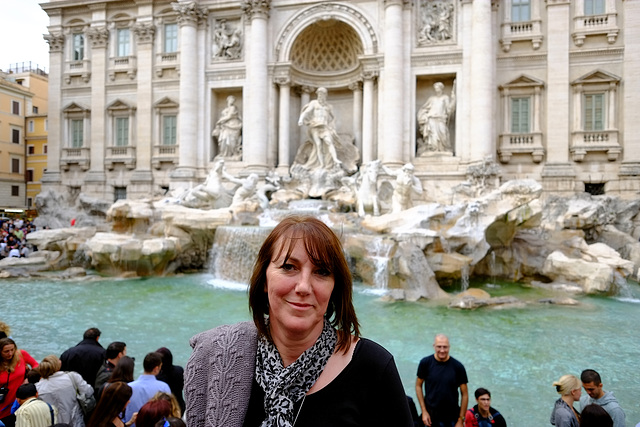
point(322, 12)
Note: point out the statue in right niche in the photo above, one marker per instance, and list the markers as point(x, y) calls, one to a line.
point(433, 120)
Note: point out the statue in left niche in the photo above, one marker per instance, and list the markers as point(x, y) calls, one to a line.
point(228, 131)
point(227, 42)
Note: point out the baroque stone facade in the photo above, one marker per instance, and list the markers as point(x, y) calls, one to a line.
point(549, 89)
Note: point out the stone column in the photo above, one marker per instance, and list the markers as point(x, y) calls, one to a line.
point(284, 124)
point(142, 178)
point(367, 116)
point(189, 16)
point(463, 112)
point(356, 87)
point(482, 88)
point(558, 173)
point(630, 128)
point(256, 102)
point(390, 147)
point(51, 177)
point(98, 38)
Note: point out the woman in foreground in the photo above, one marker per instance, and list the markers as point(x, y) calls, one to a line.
point(302, 361)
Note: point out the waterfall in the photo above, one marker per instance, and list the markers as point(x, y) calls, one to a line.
point(378, 251)
point(234, 251)
point(464, 277)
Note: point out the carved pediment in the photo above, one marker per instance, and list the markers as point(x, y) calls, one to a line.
point(119, 105)
point(523, 81)
point(166, 102)
point(75, 107)
point(597, 76)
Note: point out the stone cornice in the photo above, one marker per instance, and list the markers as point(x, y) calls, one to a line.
point(144, 31)
point(98, 36)
point(388, 3)
point(55, 40)
point(256, 8)
point(189, 13)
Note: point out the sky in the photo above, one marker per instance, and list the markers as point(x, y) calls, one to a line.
point(22, 24)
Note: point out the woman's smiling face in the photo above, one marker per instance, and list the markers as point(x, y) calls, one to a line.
point(298, 291)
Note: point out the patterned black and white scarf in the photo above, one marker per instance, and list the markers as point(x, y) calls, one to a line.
point(285, 386)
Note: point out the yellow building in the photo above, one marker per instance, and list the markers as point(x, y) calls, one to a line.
point(23, 135)
point(36, 141)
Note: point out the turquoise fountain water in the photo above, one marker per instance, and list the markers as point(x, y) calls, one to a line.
point(516, 353)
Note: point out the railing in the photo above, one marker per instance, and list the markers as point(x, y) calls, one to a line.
point(584, 26)
point(120, 154)
point(583, 142)
point(75, 155)
point(81, 68)
point(521, 31)
point(122, 64)
point(521, 143)
point(167, 61)
point(164, 154)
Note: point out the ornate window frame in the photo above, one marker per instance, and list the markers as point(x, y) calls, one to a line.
point(607, 139)
point(115, 153)
point(164, 153)
point(122, 64)
point(75, 155)
point(76, 67)
point(166, 60)
point(521, 143)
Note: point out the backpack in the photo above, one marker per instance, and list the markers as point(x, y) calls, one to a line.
point(484, 422)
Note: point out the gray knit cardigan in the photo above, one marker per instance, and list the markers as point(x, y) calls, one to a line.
point(219, 375)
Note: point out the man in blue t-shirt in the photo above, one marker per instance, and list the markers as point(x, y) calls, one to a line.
point(442, 376)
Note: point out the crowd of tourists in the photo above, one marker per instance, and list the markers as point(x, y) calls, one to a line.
point(13, 237)
point(88, 386)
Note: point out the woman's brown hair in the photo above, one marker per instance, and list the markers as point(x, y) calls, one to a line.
point(112, 402)
point(325, 251)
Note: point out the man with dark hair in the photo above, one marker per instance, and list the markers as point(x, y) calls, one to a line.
point(114, 352)
point(483, 414)
point(442, 376)
point(146, 385)
point(592, 384)
point(33, 412)
point(86, 357)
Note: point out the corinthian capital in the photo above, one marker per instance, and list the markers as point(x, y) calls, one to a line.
point(189, 12)
point(256, 8)
point(98, 36)
point(56, 41)
point(144, 31)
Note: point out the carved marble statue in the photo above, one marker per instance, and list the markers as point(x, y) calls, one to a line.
point(227, 42)
point(367, 187)
point(228, 131)
point(433, 120)
point(323, 160)
point(405, 186)
point(317, 115)
point(211, 194)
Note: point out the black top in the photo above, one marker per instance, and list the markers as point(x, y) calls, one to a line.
point(368, 392)
point(441, 383)
point(85, 359)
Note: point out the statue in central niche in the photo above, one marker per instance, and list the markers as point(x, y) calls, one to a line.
point(433, 120)
point(327, 157)
point(317, 115)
